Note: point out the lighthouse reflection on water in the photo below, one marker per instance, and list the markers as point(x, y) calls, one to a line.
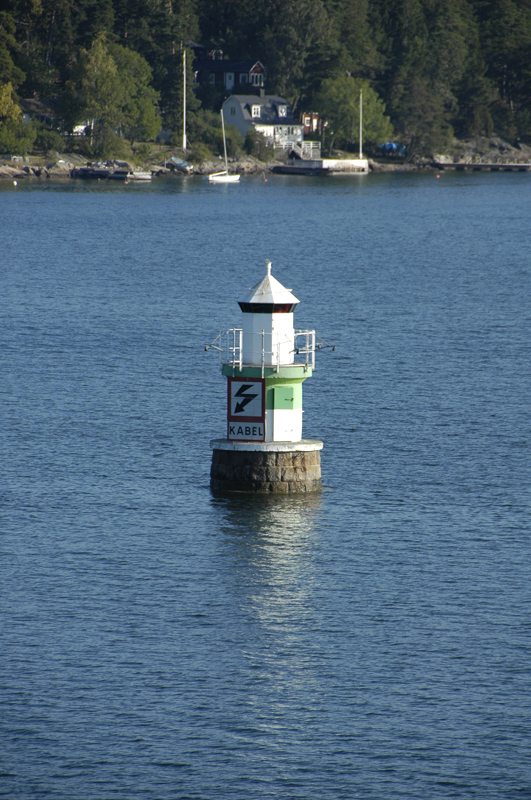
point(269, 544)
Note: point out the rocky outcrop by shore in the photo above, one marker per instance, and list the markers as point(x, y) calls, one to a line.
point(243, 166)
point(401, 166)
point(59, 169)
point(487, 147)
point(475, 148)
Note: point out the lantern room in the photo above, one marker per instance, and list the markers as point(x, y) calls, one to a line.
point(267, 323)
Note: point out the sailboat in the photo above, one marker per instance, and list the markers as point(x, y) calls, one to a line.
point(223, 177)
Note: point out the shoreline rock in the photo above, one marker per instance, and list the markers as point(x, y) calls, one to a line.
point(242, 166)
point(384, 166)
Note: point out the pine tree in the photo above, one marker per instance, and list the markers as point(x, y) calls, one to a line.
point(9, 71)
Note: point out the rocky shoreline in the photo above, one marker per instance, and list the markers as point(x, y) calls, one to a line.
point(65, 168)
point(247, 166)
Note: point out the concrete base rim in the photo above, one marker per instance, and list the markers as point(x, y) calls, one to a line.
point(303, 446)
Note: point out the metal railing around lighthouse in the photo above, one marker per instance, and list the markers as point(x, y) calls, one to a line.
point(305, 347)
point(229, 344)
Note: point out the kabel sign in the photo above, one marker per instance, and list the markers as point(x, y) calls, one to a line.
point(246, 409)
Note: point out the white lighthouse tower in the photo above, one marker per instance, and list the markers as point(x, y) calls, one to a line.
point(266, 362)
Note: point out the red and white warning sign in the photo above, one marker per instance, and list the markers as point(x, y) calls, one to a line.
point(246, 409)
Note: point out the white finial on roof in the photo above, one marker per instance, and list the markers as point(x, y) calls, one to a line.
point(269, 290)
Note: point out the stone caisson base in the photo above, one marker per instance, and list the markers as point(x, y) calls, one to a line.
point(266, 467)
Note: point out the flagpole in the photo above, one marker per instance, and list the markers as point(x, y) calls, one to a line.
point(184, 99)
point(361, 122)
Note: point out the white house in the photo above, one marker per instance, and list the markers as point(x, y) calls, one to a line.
point(266, 113)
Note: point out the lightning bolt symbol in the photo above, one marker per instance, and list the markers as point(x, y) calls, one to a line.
point(246, 398)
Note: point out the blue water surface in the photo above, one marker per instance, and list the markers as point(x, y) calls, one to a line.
point(371, 641)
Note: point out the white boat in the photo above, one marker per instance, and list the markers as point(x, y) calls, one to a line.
point(223, 176)
point(126, 175)
point(139, 175)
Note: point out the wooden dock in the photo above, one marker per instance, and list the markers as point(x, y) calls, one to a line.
point(484, 165)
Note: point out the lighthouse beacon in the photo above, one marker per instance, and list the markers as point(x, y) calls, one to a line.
point(266, 362)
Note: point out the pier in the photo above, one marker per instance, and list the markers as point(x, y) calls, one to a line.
point(496, 164)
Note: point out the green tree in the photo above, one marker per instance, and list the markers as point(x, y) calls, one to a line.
point(422, 61)
point(9, 46)
point(474, 91)
point(294, 33)
point(356, 52)
point(256, 144)
point(140, 119)
point(9, 110)
point(47, 139)
point(422, 123)
point(111, 91)
point(159, 30)
point(338, 102)
point(235, 26)
point(505, 27)
point(205, 127)
point(15, 136)
point(101, 95)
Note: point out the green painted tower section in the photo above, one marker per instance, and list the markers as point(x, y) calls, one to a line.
point(283, 385)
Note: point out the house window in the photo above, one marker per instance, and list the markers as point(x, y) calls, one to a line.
point(255, 111)
point(233, 112)
point(257, 79)
point(282, 111)
point(212, 77)
point(243, 78)
point(307, 121)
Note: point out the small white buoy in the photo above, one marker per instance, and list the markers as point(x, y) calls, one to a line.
point(15, 183)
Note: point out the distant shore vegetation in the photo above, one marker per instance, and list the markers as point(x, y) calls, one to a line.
point(111, 70)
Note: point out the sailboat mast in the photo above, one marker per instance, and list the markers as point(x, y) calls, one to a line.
point(224, 142)
point(184, 99)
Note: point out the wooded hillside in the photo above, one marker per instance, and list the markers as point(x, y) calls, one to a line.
point(441, 67)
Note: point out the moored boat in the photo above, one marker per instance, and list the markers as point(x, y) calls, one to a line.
point(121, 174)
point(139, 175)
point(90, 172)
point(223, 176)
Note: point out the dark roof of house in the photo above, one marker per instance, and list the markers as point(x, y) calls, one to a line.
point(219, 65)
point(269, 109)
point(35, 107)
